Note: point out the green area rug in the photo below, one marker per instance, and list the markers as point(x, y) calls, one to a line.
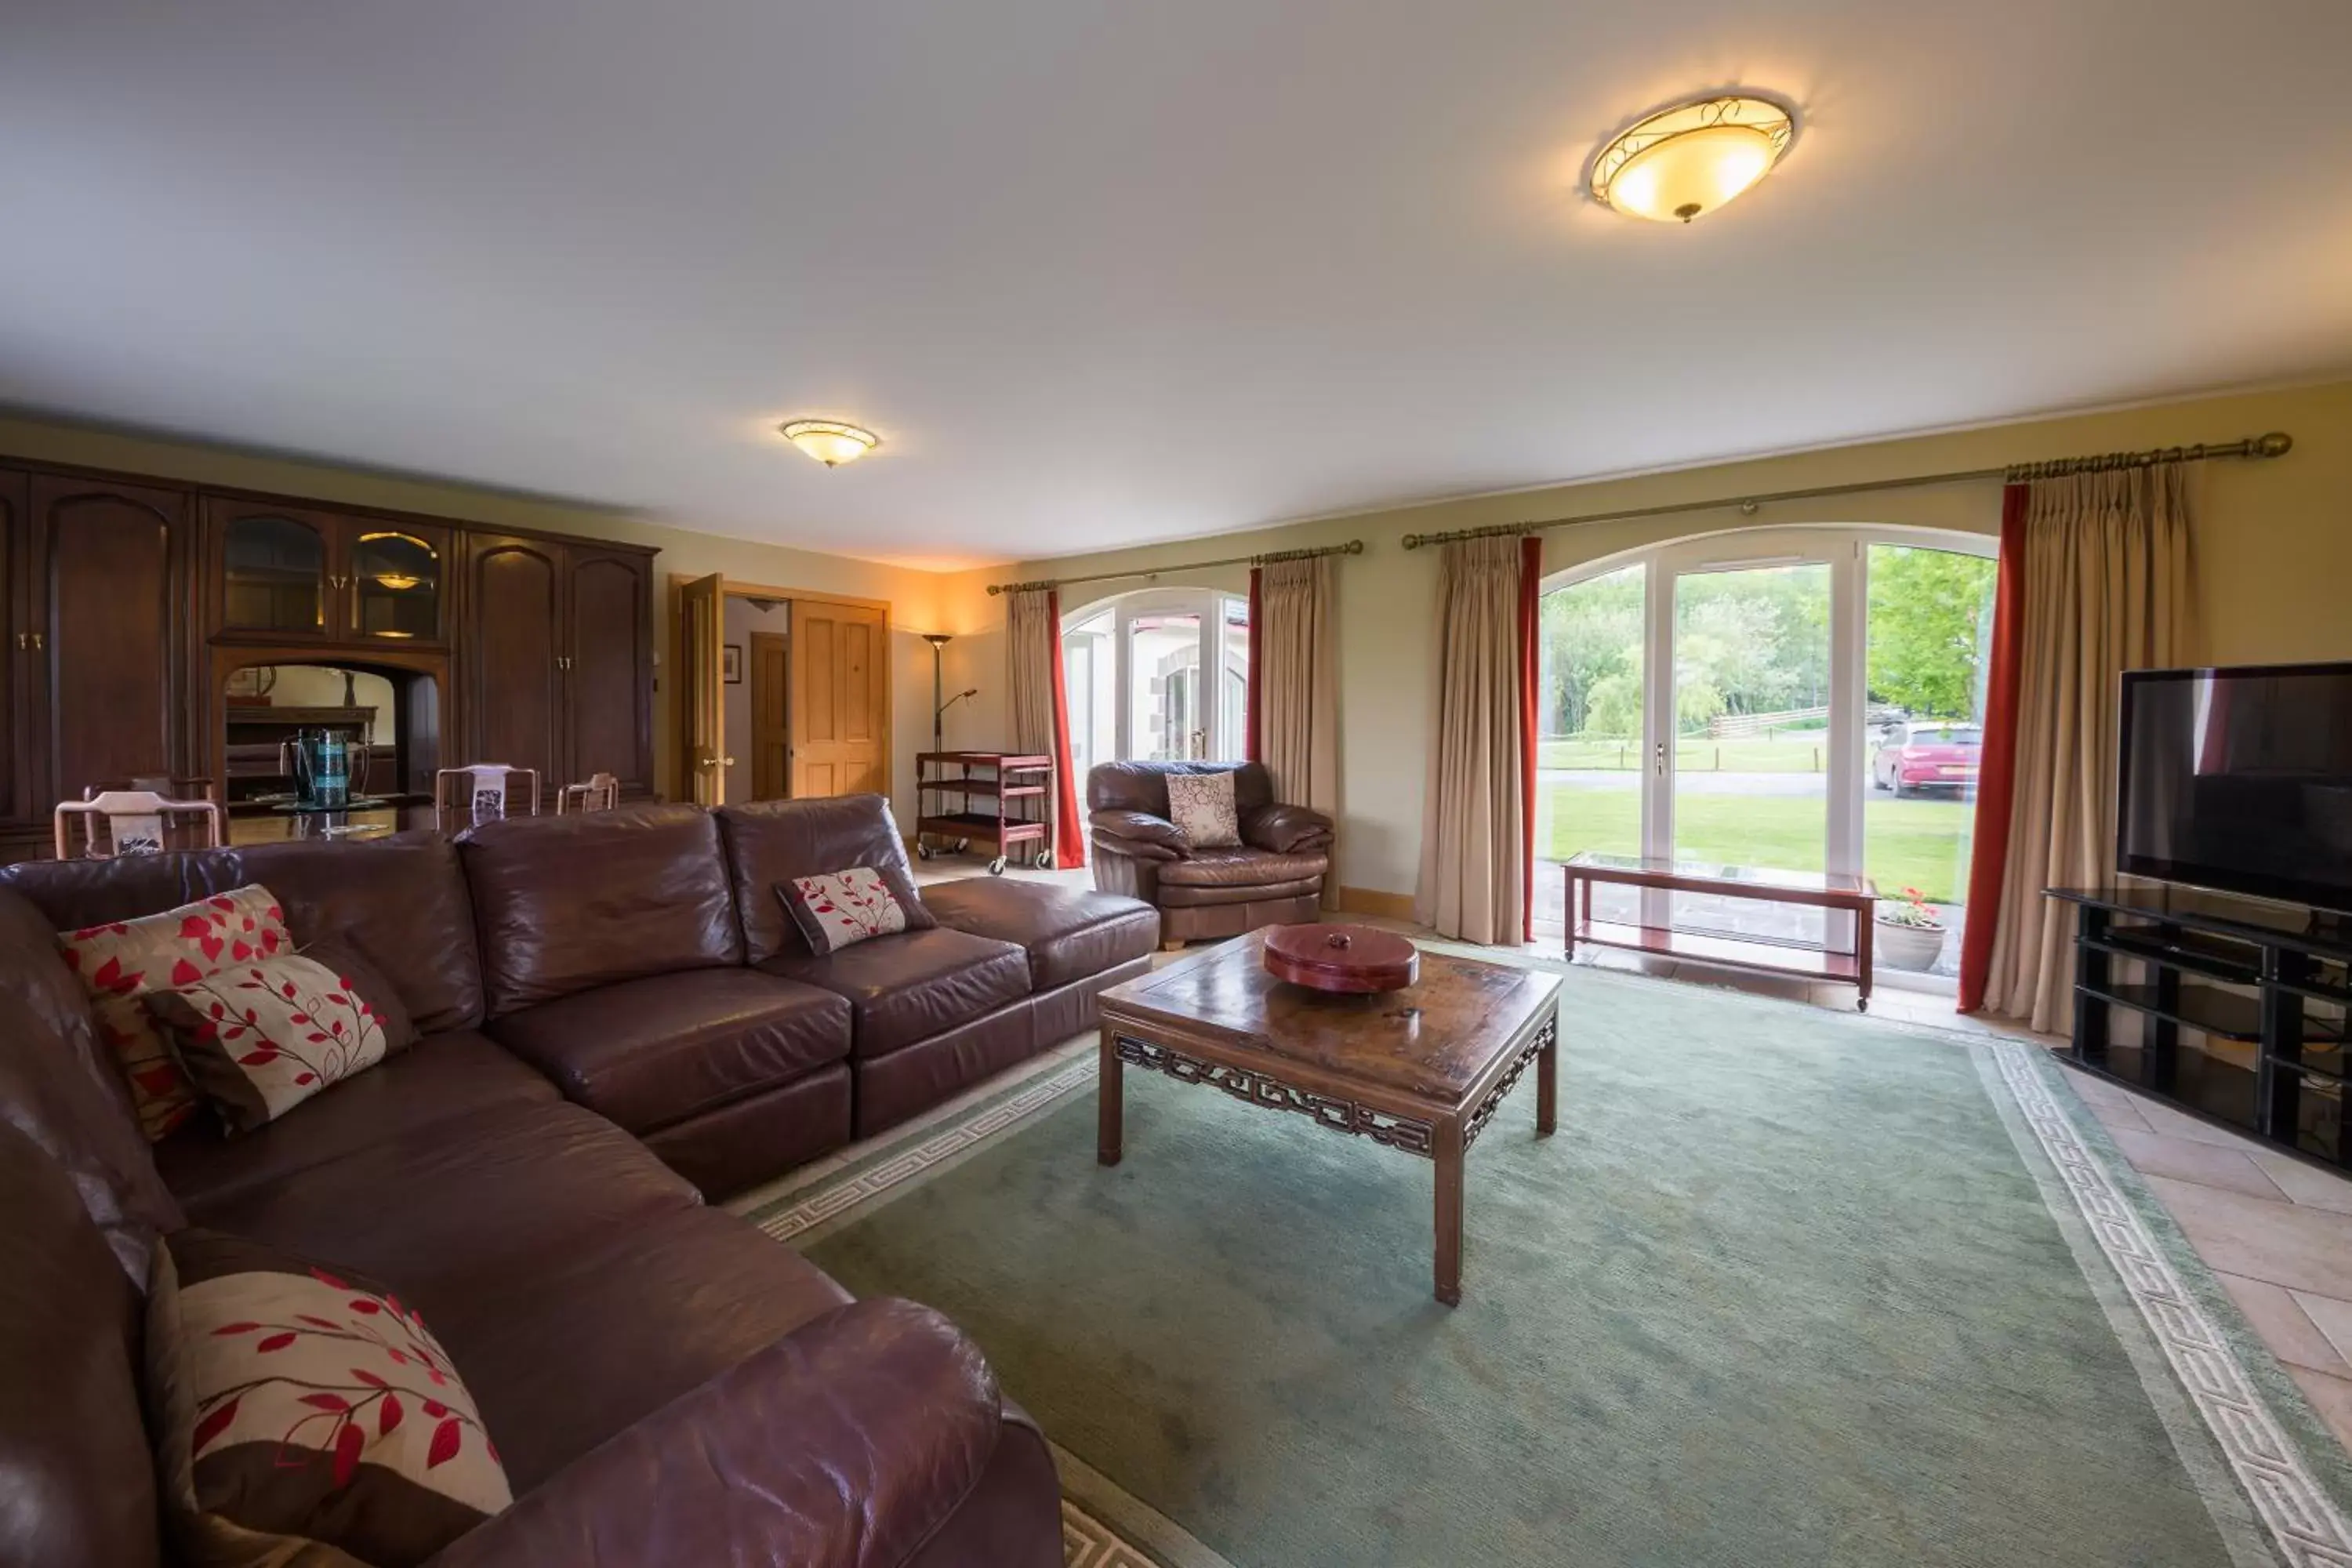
point(1787, 1287)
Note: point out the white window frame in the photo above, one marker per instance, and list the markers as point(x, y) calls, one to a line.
point(1209, 605)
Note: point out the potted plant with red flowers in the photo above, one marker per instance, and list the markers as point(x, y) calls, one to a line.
point(1910, 932)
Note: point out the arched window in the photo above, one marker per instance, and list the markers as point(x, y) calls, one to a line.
point(1159, 674)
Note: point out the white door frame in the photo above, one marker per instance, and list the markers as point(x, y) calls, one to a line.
point(1844, 548)
point(1209, 605)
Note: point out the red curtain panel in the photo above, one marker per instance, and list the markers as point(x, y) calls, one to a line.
point(1997, 759)
point(1070, 836)
point(1254, 725)
point(1530, 606)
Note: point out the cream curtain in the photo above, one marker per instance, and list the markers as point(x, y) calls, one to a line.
point(1471, 882)
point(1032, 642)
point(2106, 573)
point(1298, 690)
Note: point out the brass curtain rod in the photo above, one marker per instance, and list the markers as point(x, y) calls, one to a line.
point(1353, 547)
point(2274, 445)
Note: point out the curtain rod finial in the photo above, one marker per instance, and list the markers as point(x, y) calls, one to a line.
point(2277, 444)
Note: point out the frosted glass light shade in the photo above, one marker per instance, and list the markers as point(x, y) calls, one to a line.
point(1683, 161)
point(829, 441)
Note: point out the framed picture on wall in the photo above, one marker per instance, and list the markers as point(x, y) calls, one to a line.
point(730, 664)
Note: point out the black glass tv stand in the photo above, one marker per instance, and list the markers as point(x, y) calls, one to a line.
point(2234, 1012)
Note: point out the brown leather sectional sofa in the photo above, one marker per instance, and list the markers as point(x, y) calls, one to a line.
point(1273, 876)
point(617, 1019)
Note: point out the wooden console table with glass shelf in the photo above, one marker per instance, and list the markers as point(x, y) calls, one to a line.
point(2234, 1012)
point(1855, 895)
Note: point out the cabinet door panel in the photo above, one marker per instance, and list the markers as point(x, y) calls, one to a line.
point(104, 568)
point(514, 618)
point(396, 583)
point(16, 785)
point(610, 701)
point(272, 570)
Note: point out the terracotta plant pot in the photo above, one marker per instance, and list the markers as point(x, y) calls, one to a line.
point(1909, 947)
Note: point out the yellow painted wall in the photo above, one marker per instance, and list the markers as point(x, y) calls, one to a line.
point(913, 595)
point(2272, 555)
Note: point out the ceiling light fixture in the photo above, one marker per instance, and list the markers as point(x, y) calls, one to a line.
point(1674, 164)
point(829, 441)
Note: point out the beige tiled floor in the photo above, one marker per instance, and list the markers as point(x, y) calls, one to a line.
point(2277, 1230)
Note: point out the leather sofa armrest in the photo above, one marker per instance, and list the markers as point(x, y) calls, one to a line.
point(845, 1445)
point(1286, 830)
point(1141, 835)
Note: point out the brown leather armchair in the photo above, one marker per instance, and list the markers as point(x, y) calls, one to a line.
point(1275, 876)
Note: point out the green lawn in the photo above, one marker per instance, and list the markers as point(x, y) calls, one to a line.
point(1790, 751)
point(1906, 843)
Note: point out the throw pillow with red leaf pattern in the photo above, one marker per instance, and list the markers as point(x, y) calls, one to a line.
point(122, 961)
point(303, 1404)
point(840, 907)
point(258, 1039)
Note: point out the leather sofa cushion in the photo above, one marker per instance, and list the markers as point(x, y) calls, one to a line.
point(772, 842)
point(81, 1481)
point(442, 1207)
point(1242, 867)
point(909, 987)
point(442, 1078)
point(1175, 896)
point(566, 903)
point(1068, 932)
point(401, 901)
point(651, 1052)
point(1143, 786)
point(564, 1357)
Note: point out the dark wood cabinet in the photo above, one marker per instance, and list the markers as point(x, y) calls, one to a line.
point(512, 652)
point(130, 603)
point(557, 659)
point(105, 565)
point(608, 661)
point(277, 574)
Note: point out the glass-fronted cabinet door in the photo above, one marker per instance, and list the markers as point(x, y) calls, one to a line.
point(275, 569)
point(397, 582)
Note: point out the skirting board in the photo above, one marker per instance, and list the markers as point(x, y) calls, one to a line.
point(1376, 901)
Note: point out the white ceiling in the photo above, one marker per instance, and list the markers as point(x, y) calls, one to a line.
point(1102, 271)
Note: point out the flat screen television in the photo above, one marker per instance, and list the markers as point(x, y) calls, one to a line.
point(2240, 780)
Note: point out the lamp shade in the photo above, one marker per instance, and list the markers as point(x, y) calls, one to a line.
point(829, 441)
point(1683, 161)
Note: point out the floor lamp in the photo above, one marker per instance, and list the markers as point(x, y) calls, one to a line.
point(938, 641)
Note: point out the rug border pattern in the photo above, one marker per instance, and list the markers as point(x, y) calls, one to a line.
point(2300, 1517)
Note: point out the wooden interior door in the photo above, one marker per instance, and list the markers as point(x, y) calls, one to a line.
point(514, 649)
point(701, 696)
point(839, 721)
point(772, 776)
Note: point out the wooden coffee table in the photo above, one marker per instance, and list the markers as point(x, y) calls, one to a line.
point(1422, 1070)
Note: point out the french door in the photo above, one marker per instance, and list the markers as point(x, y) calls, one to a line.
point(1161, 675)
point(1776, 613)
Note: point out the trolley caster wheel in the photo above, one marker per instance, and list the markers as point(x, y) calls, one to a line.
point(922, 851)
point(961, 845)
point(1044, 861)
point(996, 866)
point(1862, 1004)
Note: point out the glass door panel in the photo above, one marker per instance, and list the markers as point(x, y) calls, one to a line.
point(1589, 767)
point(1746, 740)
point(273, 575)
point(1230, 739)
point(395, 586)
point(1165, 722)
point(1931, 625)
point(1091, 685)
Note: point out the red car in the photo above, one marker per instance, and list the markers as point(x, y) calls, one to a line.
point(1924, 756)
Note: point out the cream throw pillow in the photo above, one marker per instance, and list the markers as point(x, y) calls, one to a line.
point(1202, 806)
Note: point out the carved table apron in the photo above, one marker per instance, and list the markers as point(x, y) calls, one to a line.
point(1423, 1070)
